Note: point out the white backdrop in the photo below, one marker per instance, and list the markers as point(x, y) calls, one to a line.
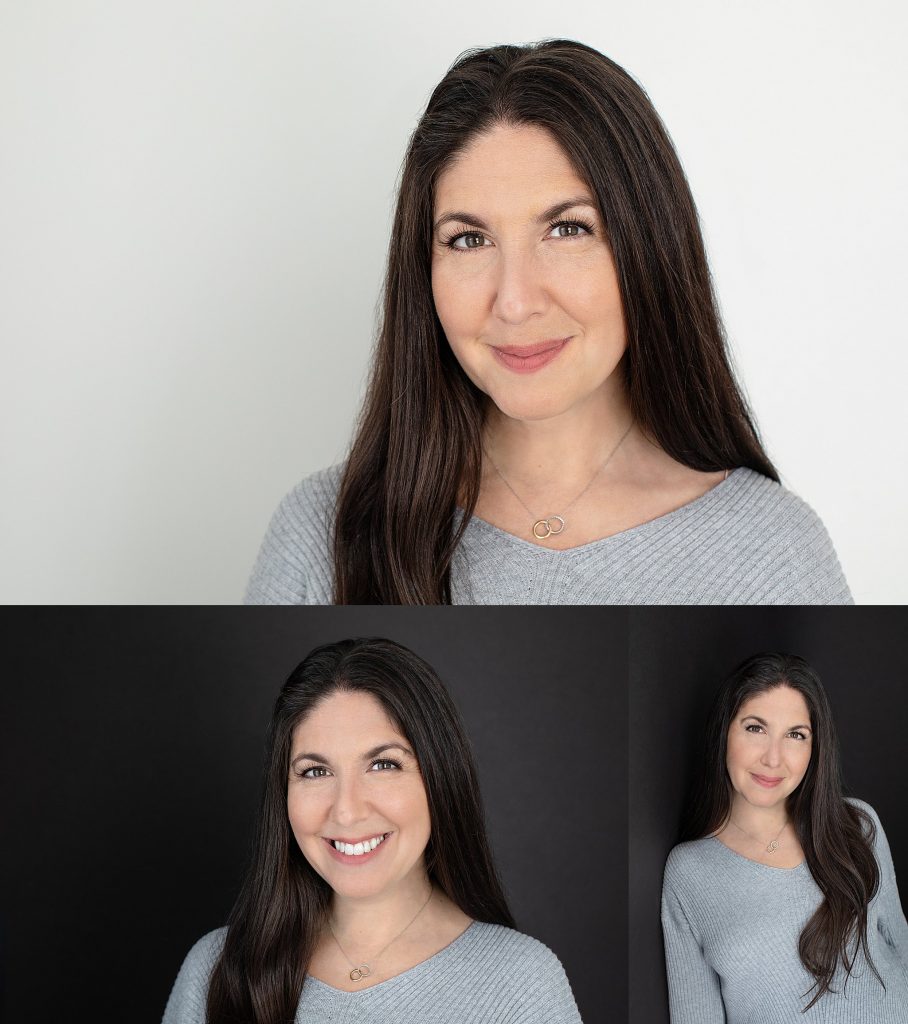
point(195, 198)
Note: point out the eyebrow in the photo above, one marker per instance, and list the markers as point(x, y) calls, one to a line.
point(546, 215)
point(368, 754)
point(763, 721)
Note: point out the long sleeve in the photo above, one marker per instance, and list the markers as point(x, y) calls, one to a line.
point(694, 993)
point(892, 924)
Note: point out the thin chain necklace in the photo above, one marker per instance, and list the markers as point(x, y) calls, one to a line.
point(771, 846)
point(364, 970)
point(552, 525)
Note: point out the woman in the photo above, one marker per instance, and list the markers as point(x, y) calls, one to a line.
point(551, 418)
point(783, 899)
point(371, 892)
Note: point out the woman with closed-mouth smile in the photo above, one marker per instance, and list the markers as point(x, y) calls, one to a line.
point(782, 900)
point(552, 417)
point(371, 893)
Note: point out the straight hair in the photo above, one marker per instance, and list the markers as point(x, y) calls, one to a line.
point(284, 905)
point(836, 837)
point(411, 480)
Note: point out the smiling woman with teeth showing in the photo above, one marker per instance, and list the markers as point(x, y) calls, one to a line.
point(552, 416)
point(783, 900)
point(362, 899)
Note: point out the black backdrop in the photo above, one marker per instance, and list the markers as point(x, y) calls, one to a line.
point(131, 754)
point(678, 658)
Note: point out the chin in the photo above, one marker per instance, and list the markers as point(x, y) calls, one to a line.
point(529, 406)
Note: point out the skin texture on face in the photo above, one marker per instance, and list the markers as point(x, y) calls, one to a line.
point(509, 269)
point(353, 775)
point(769, 747)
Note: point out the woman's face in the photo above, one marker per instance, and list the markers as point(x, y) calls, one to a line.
point(524, 282)
point(769, 745)
point(354, 779)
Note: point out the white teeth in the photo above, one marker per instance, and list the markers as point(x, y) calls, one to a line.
point(358, 849)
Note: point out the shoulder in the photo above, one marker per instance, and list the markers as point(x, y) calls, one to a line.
point(688, 857)
point(294, 564)
point(872, 824)
point(189, 994)
point(528, 974)
point(784, 540)
point(507, 945)
point(313, 497)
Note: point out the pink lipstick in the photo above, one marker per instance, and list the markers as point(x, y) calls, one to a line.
point(767, 781)
point(529, 358)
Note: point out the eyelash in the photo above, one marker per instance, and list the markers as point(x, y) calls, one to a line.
point(576, 222)
point(318, 767)
point(800, 735)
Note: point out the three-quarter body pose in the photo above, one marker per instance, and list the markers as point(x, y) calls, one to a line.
point(782, 904)
point(551, 417)
point(371, 894)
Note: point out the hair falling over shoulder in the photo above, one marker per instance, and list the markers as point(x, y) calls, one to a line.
point(836, 837)
point(416, 455)
point(284, 904)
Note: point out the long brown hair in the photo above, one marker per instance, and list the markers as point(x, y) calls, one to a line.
point(836, 836)
point(417, 445)
point(283, 904)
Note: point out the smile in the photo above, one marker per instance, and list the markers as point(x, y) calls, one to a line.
point(767, 781)
point(529, 358)
point(357, 851)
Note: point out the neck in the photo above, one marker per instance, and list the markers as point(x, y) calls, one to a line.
point(762, 822)
point(573, 444)
point(370, 921)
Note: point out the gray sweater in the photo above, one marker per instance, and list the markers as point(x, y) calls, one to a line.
point(731, 929)
point(486, 975)
point(747, 541)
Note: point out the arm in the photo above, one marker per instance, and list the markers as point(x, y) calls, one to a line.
point(892, 924)
point(694, 993)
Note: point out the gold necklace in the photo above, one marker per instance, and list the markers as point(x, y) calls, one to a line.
point(551, 526)
point(771, 846)
point(364, 970)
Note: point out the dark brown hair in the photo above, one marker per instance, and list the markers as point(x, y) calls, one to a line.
point(417, 446)
point(836, 836)
point(283, 904)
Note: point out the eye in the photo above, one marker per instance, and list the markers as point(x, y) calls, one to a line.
point(386, 765)
point(570, 228)
point(753, 727)
point(316, 772)
point(798, 735)
point(470, 239)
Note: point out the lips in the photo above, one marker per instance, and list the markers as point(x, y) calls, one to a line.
point(529, 358)
point(767, 781)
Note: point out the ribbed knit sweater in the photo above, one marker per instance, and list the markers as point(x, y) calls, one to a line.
point(731, 928)
point(488, 974)
point(747, 541)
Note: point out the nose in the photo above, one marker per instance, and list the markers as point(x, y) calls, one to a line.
point(350, 803)
point(772, 753)
point(519, 288)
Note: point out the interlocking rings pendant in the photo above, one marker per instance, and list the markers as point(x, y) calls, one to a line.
point(545, 528)
point(772, 846)
point(358, 973)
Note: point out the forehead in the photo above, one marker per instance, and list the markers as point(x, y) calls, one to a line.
point(781, 704)
point(344, 722)
point(519, 168)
